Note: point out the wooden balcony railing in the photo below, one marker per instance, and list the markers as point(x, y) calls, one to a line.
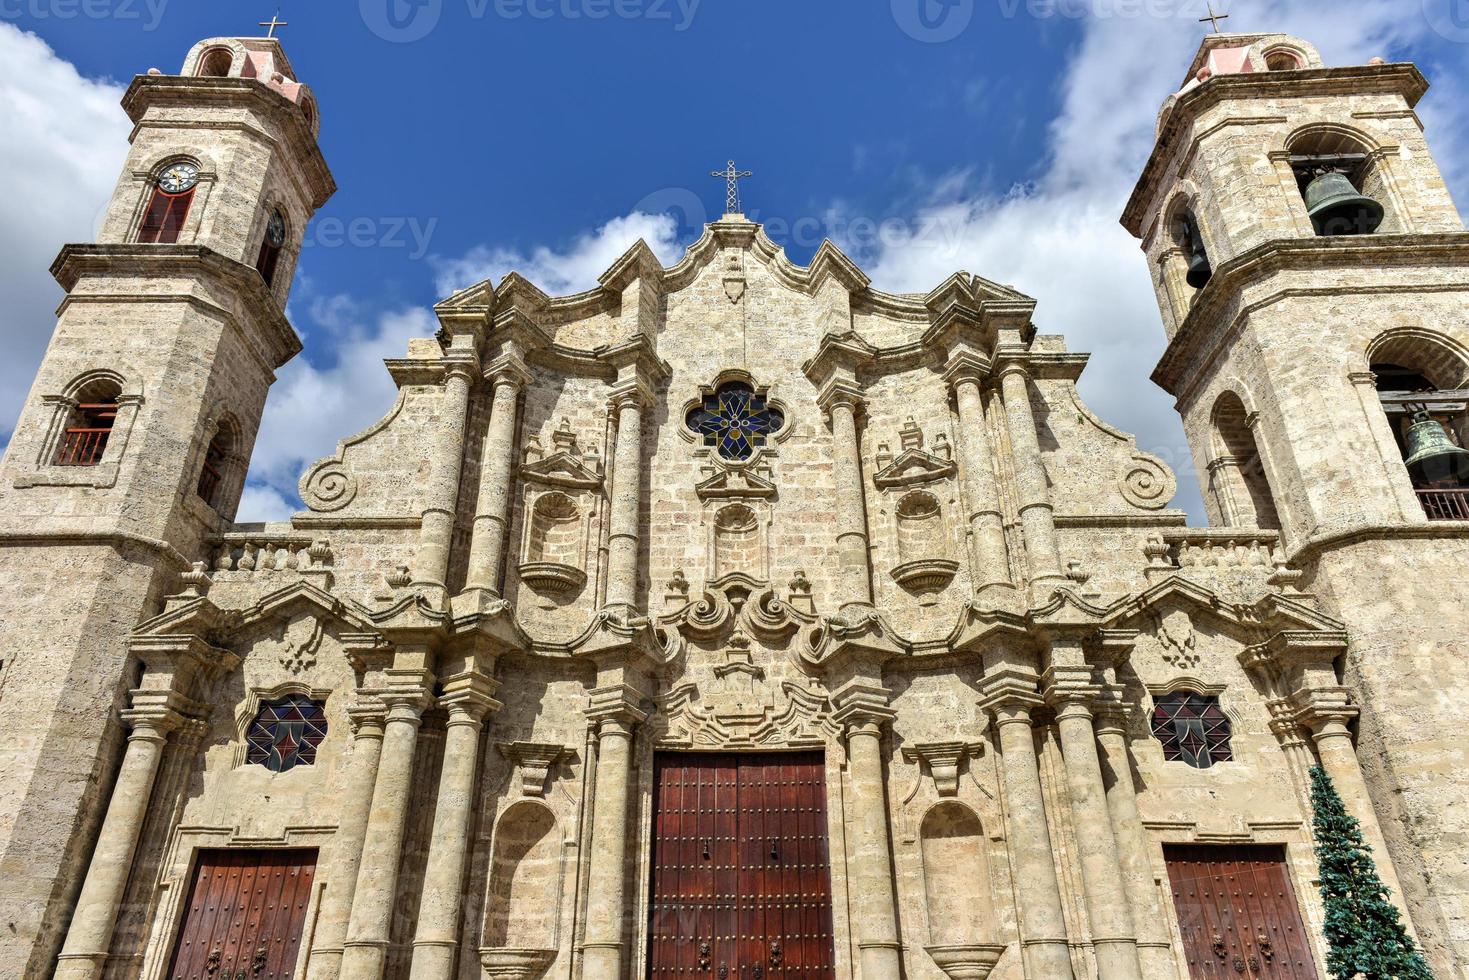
point(82, 447)
point(1445, 505)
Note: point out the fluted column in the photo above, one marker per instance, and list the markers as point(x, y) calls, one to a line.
point(624, 516)
point(854, 562)
point(497, 463)
point(986, 520)
point(1154, 946)
point(87, 940)
point(1042, 920)
point(431, 564)
point(875, 915)
point(602, 944)
point(1036, 518)
point(377, 876)
point(437, 940)
point(1113, 934)
point(336, 903)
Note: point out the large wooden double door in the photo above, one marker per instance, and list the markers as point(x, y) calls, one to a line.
point(741, 885)
point(245, 917)
point(1237, 913)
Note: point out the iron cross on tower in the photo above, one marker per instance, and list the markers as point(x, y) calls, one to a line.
point(274, 22)
point(732, 180)
point(1213, 18)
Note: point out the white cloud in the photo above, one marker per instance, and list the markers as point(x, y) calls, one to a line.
point(574, 269)
point(261, 503)
point(65, 140)
point(1058, 239)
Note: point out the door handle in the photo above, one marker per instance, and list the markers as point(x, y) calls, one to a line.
point(759, 971)
point(724, 971)
point(775, 954)
point(704, 952)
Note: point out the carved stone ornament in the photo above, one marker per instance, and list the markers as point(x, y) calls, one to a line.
point(533, 761)
point(942, 759)
point(298, 643)
point(1146, 483)
point(796, 718)
point(1179, 641)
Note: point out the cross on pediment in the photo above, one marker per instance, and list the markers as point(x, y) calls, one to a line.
point(274, 22)
point(732, 175)
point(1213, 18)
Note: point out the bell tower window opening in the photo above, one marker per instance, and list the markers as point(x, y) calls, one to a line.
point(1239, 481)
point(211, 474)
point(168, 208)
point(215, 63)
point(84, 441)
point(1193, 729)
point(735, 420)
point(271, 246)
point(1343, 190)
point(1188, 236)
point(1282, 60)
point(1430, 426)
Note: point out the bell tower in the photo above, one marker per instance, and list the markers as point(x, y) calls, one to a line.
point(131, 448)
point(1312, 272)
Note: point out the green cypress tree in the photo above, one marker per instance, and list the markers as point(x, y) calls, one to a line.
point(1365, 937)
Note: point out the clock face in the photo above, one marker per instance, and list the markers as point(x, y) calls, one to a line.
point(275, 229)
point(178, 178)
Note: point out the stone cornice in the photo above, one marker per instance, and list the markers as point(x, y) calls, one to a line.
point(147, 91)
point(1201, 335)
point(1390, 79)
point(275, 343)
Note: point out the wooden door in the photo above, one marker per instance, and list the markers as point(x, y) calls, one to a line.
point(245, 916)
point(741, 875)
point(1237, 913)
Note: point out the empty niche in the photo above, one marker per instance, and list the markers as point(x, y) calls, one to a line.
point(955, 877)
point(923, 554)
point(553, 548)
point(525, 880)
point(737, 541)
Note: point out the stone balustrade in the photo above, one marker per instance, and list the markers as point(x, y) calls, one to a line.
point(251, 554)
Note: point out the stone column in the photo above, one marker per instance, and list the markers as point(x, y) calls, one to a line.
point(377, 877)
point(497, 462)
point(624, 517)
point(602, 944)
point(441, 498)
point(875, 914)
point(1394, 473)
point(1042, 920)
point(854, 562)
point(336, 902)
point(1154, 945)
point(88, 939)
point(1113, 935)
point(986, 520)
point(1036, 518)
point(437, 940)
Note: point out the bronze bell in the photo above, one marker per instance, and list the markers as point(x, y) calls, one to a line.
point(1432, 456)
point(1199, 269)
point(1338, 208)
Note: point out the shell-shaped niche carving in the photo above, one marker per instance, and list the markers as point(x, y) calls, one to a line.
point(525, 880)
point(553, 547)
point(923, 551)
point(956, 876)
point(737, 542)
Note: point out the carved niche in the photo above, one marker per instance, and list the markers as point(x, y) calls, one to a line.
point(920, 497)
point(561, 507)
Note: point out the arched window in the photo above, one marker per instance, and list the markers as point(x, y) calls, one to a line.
point(215, 63)
point(168, 208)
point(1342, 189)
point(1237, 473)
point(735, 420)
point(1424, 391)
point(212, 472)
point(1283, 59)
point(285, 733)
point(1193, 729)
point(84, 441)
point(1189, 237)
point(270, 247)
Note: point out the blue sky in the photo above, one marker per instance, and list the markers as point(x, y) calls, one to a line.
point(469, 137)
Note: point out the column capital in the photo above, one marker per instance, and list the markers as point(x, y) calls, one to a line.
point(841, 392)
point(367, 716)
point(966, 367)
point(1112, 717)
point(1011, 366)
point(1071, 691)
point(151, 723)
point(1325, 711)
point(863, 708)
point(1009, 696)
point(630, 393)
point(468, 697)
point(616, 706)
point(1366, 378)
point(408, 693)
point(461, 368)
point(508, 370)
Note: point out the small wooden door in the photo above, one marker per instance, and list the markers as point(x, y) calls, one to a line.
point(246, 912)
point(1237, 913)
point(741, 875)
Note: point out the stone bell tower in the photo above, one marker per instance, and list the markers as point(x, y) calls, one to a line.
point(131, 448)
point(1311, 271)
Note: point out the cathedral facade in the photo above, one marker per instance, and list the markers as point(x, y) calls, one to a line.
point(738, 619)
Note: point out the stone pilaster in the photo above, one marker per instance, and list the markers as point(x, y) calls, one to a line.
point(1154, 945)
point(628, 402)
point(368, 928)
point(1037, 519)
point(467, 698)
point(1009, 702)
point(508, 375)
point(864, 711)
point(981, 488)
point(368, 718)
point(843, 403)
point(1114, 936)
point(441, 498)
point(616, 716)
